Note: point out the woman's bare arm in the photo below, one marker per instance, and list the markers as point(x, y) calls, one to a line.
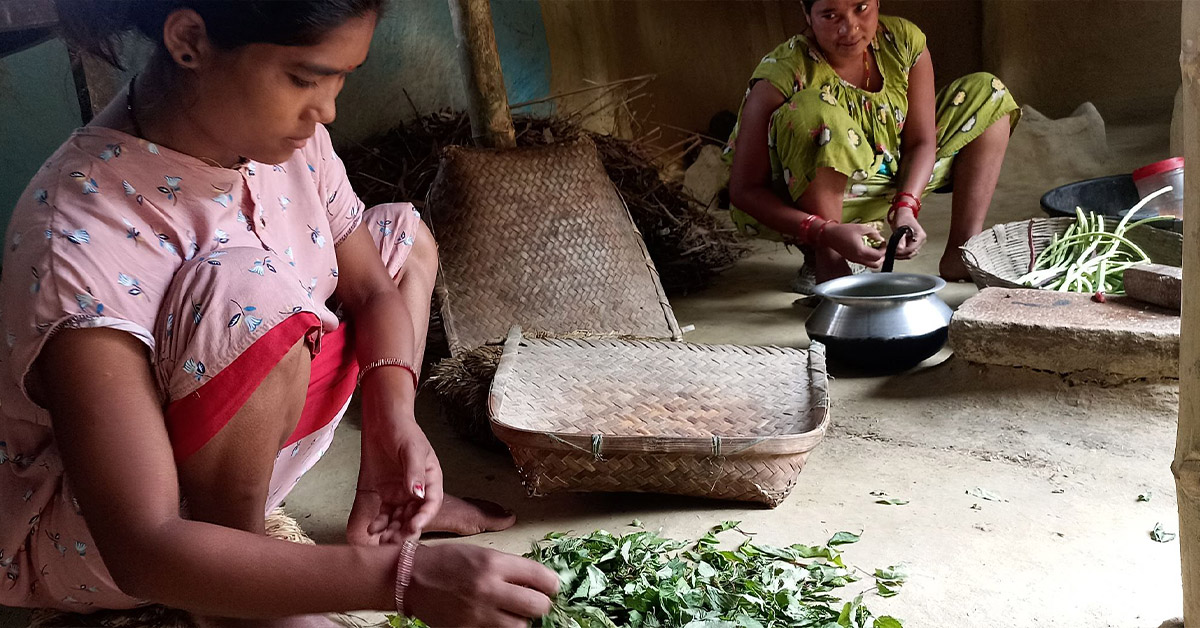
point(118, 459)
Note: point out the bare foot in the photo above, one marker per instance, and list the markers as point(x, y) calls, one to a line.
point(468, 516)
point(952, 269)
point(298, 621)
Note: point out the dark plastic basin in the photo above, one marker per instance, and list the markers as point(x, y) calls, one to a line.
point(1106, 195)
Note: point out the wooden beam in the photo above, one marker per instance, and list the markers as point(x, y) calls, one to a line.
point(1187, 446)
point(25, 14)
point(491, 120)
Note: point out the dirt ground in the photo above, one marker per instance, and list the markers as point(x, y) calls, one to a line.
point(1067, 545)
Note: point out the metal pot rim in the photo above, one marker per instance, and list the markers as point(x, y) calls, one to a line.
point(880, 287)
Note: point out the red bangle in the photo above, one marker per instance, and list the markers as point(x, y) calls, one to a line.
point(901, 195)
point(803, 235)
point(899, 200)
point(891, 215)
point(821, 231)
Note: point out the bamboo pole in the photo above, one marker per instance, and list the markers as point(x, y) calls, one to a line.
point(1187, 446)
point(491, 120)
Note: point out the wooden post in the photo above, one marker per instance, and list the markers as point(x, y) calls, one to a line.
point(1187, 446)
point(491, 121)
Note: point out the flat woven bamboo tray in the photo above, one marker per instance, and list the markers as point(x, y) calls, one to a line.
point(999, 256)
point(718, 421)
point(539, 237)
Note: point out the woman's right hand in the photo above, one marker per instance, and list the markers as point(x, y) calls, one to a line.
point(847, 241)
point(466, 585)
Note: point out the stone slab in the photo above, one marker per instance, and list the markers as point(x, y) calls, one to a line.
point(1157, 284)
point(1067, 333)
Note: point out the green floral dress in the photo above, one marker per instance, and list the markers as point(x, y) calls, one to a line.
point(829, 123)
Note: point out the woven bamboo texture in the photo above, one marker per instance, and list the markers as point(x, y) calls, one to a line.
point(539, 237)
point(999, 256)
point(718, 421)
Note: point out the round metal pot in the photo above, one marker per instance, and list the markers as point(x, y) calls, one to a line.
point(881, 321)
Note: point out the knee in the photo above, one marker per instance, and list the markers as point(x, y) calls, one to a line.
point(980, 82)
point(423, 259)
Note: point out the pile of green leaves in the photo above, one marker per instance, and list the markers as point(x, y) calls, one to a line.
point(643, 580)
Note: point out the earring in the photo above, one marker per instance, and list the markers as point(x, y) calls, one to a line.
point(186, 58)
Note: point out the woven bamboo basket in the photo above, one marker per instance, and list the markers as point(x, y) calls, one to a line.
point(999, 256)
point(717, 421)
point(539, 237)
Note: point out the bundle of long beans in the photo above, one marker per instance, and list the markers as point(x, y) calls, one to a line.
point(1088, 257)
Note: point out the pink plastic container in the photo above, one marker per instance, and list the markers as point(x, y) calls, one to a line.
point(1156, 176)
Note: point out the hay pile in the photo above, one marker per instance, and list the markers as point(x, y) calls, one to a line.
point(688, 245)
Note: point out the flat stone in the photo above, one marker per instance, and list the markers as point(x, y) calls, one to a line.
point(1157, 284)
point(1067, 333)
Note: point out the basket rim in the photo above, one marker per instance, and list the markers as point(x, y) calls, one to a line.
point(599, 445)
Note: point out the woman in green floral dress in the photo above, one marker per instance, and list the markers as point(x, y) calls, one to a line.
point(841, 128)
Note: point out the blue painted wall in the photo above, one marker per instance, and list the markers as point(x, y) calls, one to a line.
point(413, 51)
point(38, 110)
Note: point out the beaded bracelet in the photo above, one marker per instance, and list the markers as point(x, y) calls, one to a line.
point(389, 362)
point(404, 567)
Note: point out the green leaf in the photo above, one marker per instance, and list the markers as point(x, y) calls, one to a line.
point(725, 526)
point(898, 573)
point(746, 621)
point(1144, 497)
point(843, 538)
point(593, 583)
point(892, 502)
point(1160, 535)
point(884, 590)
point(887, 622)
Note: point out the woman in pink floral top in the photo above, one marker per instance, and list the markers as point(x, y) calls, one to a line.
point(164, 305)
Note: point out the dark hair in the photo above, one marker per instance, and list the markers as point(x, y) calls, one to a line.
point(96, 26)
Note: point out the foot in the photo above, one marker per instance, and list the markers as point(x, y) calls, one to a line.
point(805, 280)
point(468, 516)
point(952, 269)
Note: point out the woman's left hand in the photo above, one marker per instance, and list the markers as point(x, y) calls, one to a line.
point(399, 483)
point(912, 244)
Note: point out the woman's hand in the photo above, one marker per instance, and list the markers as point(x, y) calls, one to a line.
point(912, 244)
point(399, 481)
point(847, 241)
point(466, 585)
